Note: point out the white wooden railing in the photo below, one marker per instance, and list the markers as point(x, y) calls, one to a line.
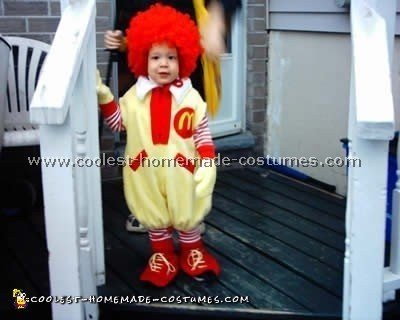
point(65, 107)
point(371, 126)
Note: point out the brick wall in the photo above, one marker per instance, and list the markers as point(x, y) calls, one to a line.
point(257, 44)
point(38, 19)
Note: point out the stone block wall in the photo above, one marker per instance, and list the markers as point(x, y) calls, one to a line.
point(38, 19)
point(257, 48)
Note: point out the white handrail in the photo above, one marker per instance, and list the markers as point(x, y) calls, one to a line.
point(373, 93)
point(54, 90)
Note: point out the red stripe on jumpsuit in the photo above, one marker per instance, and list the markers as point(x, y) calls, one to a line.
point(138, 161)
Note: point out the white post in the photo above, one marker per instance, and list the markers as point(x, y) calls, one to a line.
point(371, 125)
point(65, 106)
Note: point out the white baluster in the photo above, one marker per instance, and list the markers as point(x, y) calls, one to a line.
point(93, 173)
point(394, 250)
point(392, 273)
point(79, 119)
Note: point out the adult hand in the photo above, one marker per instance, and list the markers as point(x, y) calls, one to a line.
point(213, 31)
point(114, 40)
point(213, 42)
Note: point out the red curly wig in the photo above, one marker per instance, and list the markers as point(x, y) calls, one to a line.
point(162, 24)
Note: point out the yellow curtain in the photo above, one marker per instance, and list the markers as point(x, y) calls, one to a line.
point(211, 69)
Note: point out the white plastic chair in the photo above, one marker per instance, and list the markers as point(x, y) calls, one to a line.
point(5, 49)
point(20, 183)
point(26, 59)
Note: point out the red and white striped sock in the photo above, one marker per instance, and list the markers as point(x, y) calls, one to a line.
point(190, 236)
point(160, 234)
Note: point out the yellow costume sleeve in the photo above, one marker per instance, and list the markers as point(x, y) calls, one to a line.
point(104, 94)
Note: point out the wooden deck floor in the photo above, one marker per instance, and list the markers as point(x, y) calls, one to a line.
point(280, 243)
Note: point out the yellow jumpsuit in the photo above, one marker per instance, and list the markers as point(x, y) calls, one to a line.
point(159, 191)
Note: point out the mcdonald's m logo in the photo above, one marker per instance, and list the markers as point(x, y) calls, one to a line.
point(184, 122)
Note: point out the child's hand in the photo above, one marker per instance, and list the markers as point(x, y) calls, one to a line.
point(205, 177)
point(104, 94)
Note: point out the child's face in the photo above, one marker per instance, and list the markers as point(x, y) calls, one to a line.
point(162, 64)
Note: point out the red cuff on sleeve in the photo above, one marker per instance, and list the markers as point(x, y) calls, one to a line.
point(108, 109)
point(207, 151)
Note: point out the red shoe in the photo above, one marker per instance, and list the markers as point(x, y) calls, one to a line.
point(163, 265)
point(196, 261)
